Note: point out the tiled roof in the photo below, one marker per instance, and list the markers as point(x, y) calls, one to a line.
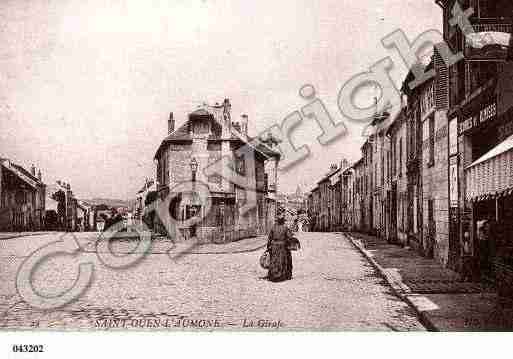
point(20, 172)
point(200, 112)
point(182, 134)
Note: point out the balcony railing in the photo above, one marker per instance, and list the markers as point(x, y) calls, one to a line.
point(493, 27)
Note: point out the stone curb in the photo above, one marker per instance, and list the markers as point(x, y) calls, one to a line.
point(399, 288)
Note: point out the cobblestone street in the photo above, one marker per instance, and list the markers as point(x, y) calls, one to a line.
point(334, 288)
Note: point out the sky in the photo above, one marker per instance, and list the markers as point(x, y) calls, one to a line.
point(86, 87)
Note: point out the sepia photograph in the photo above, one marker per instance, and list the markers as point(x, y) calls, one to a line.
point(228, 166)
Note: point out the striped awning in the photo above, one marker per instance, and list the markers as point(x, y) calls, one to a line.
point(492, 174)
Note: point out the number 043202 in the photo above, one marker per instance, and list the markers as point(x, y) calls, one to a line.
point(24, 348)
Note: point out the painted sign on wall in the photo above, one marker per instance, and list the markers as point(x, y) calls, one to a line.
point(453, 184)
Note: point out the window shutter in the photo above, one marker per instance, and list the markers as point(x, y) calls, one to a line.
point(441, 82)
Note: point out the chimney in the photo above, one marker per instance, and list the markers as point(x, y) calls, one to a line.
point(227, 108)
point(39, 177)
point(170, 124)
point(244, 124)
point(33, 170)
point(236, 126)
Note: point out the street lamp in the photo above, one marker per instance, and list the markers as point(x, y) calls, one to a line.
point(194, 168)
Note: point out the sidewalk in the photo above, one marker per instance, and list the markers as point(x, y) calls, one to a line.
point(10, 235)
point(442, 301)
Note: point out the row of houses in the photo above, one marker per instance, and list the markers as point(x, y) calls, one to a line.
point(22, 198)
point(28, 204)
point(435, 172)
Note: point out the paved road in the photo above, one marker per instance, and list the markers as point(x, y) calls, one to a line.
point(334, 288)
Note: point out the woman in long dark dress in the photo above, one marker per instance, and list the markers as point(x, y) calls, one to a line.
point(280, 267)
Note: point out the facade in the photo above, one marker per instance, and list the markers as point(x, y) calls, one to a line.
point(480, 126)
point(358, 208)
point(141, 198)
point(313, 210)
point(326, 207)
point(294, 202)
point(212, 152)
point(85, 216)
point(324, 210)
point(397, 192)
point(326, 201)
point(367, 220)
point(294, 206)
point(67, 207)
point(334, 200)
point(378, 146)
point(22, 198)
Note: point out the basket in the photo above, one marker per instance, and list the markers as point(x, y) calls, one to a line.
point(294, 244)
point(265, 260)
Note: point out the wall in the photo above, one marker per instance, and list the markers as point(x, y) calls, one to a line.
point(179, 159)
point(435, 188)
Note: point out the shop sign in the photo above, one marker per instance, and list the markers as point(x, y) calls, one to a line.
point(487, 113)
point(453, 184)
point(453, 136)
point(468, 124)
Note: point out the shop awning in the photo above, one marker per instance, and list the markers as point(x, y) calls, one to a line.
point(491, 175)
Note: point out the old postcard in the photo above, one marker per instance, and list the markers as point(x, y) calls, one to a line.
point(270, 166)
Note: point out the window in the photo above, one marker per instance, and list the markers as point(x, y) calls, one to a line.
point(400, 157)
point(494, 8)
point(431, 141)
point(376, 174)
point(428, 100)
point(213, 157)
point(403, 215)
point(382, 168)
point(240, 163)
point(412, 151)
point(412, 139)
point(479, 73)
point(457, 83)
point(394, 157)
point(431, 218)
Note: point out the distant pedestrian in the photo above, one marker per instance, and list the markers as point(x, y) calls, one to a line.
point(280, 267)
point(485, 231)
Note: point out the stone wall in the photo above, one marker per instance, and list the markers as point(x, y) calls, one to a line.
point(435, 189)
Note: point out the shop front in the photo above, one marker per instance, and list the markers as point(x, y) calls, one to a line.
point(490, 190)
point(486, 136)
